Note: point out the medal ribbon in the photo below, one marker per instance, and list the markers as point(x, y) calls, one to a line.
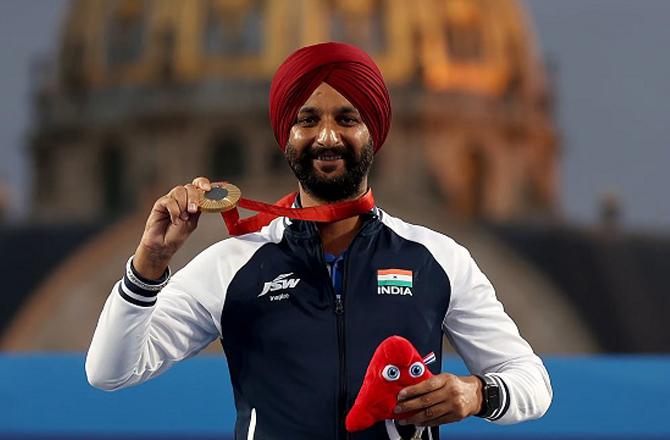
point(282, 208)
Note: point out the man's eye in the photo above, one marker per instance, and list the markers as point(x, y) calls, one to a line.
point(347, 120)
point(306, 121)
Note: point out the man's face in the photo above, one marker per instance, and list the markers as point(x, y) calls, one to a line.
point(330, 148)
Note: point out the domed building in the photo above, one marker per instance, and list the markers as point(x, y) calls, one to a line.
point(149, 94)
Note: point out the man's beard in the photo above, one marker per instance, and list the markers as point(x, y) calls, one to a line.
point(331, 189)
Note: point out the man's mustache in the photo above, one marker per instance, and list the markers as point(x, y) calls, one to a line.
point(314, 152)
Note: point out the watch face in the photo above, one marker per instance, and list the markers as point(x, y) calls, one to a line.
point(491, 397)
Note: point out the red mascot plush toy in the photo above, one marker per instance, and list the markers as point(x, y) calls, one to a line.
point(396, 364)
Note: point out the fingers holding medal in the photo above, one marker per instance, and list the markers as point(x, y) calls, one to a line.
point(221, 197)
point(174, 217)
point(201, 195)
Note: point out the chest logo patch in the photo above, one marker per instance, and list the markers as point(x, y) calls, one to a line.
point(282, 282)
point(394, 282)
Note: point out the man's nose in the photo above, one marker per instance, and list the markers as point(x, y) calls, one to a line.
point(328, 135)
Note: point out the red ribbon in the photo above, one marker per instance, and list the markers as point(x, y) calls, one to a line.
point(267, 212)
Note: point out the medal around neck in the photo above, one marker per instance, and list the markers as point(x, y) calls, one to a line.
point(225, 198)
point(222, 197)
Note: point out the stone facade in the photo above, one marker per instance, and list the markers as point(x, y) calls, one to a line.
point(148, 94)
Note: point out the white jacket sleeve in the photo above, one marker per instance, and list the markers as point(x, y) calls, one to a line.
point(489, 342)
point(141, 333)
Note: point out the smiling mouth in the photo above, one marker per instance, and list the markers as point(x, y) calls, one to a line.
point(328, 157)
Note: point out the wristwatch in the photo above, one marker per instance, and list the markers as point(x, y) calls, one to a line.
point(491, 396)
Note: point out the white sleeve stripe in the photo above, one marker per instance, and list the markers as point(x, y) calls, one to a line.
point(125, 292)
point(495, 413)
point(138, 290)
point(504, 404)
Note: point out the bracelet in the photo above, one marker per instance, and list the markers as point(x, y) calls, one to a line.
point(139, 281)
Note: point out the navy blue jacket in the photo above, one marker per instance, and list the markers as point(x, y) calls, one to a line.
point(300, 361)
point(297, 355)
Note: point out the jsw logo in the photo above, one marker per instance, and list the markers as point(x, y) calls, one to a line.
point(280, 283)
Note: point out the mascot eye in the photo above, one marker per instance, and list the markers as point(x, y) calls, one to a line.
point(391, 373)
point(416, 369)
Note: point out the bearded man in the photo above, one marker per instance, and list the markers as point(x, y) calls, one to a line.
point(298, 305)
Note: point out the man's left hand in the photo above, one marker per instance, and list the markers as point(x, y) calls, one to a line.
point(444, 398)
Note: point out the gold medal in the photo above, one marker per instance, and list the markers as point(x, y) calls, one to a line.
point(222, 197)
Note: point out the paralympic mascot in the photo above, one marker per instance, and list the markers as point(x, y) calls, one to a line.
point(395, 364)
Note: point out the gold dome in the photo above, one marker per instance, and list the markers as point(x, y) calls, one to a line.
point(152, 92)
point(471, 45)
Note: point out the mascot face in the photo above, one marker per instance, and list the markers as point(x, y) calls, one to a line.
point(405, 373)
point(396, 364)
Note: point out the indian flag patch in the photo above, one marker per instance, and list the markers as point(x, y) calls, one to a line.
point(394, 282)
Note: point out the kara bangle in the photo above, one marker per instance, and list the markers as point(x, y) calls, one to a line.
point(139, 281)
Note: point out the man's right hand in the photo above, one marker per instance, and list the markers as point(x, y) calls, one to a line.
point(172, 220)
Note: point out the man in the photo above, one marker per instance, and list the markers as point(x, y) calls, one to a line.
point(298, 305)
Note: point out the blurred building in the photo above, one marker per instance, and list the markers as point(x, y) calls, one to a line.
point(145, 95)
point(150, 93)
point(5, 198)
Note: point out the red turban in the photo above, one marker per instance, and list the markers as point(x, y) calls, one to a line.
point(345, 68)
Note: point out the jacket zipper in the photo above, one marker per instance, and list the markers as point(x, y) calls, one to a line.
point(339, 318)
point(341, 433)
point(339, 312)
point(341, 346)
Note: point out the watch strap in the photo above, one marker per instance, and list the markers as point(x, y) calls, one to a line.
point(492, 397)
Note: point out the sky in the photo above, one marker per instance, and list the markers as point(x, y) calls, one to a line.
point(612, 90)
point(613, 94)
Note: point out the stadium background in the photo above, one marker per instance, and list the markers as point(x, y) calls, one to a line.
point(533, 132)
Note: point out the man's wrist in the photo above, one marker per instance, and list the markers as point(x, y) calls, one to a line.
point(139, 279)
point(477, 393)
point(147, 266)
point(138, 290)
